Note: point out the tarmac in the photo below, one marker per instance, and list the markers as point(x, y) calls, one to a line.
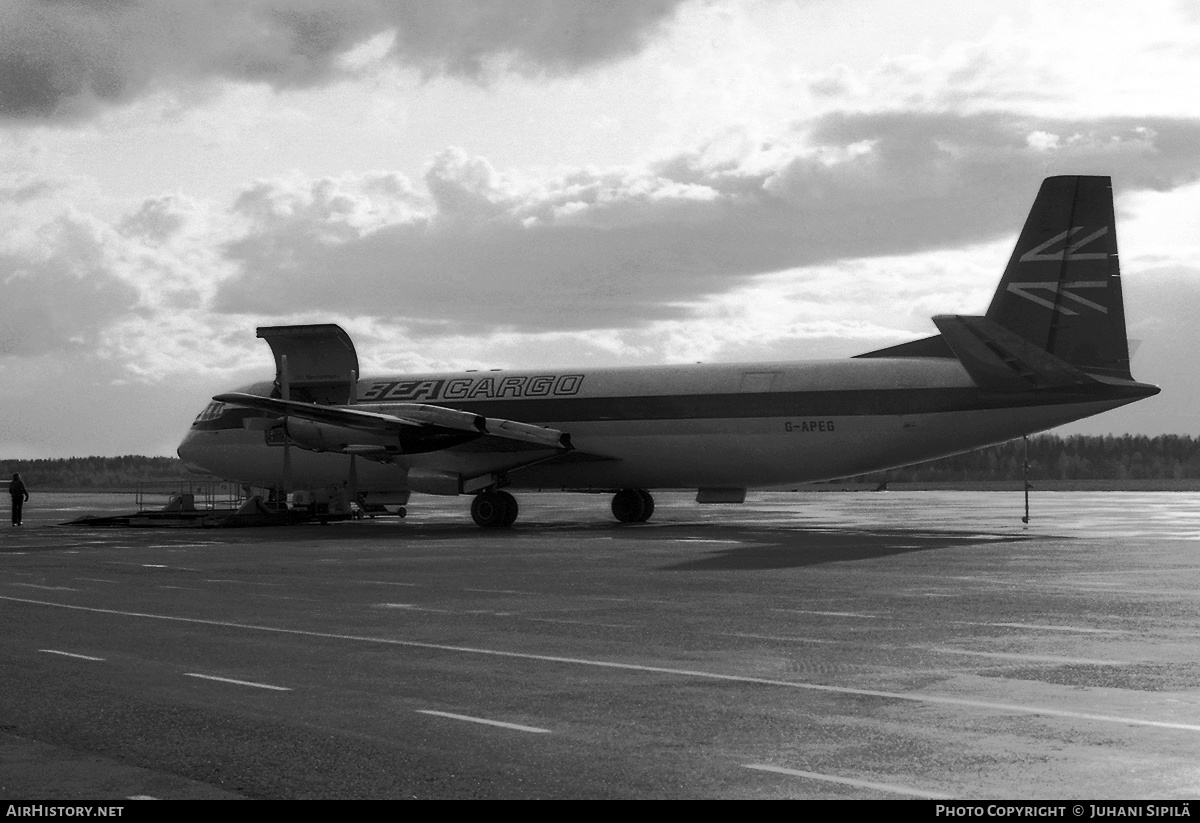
point(811, 645)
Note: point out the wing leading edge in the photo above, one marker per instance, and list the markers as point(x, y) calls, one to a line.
point(405, 428)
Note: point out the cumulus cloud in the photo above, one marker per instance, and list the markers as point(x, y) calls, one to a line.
point(622, 247)
point(19, 192)
point(67, 58)
point(60, 296)
point(476, 251)
point(70, 281)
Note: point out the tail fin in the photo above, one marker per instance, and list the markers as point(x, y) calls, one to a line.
point(1062, 288)
point(1061, 292)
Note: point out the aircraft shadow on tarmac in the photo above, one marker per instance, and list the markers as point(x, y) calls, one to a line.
point(810, 547)
point(744, 548)
point(768, 547)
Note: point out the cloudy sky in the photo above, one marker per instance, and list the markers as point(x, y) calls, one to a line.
point(512, 183)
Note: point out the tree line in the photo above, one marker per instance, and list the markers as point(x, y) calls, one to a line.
point(95, 473)
point(1051, 457)
point(1077, 457)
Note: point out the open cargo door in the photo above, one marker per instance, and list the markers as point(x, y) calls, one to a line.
point(314, 363)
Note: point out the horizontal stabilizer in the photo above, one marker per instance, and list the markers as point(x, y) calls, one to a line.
point(1000, 360)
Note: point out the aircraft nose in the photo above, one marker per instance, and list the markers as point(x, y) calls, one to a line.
point(189, 453)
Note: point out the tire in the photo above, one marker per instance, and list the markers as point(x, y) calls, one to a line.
point(647, 503)
point(488, 510)
point(494, 510)
point(629, 506)
point(511, 508)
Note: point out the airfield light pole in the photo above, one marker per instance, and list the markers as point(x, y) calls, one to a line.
point(1025, 519)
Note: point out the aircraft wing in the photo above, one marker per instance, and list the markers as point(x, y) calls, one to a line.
point(421, 423)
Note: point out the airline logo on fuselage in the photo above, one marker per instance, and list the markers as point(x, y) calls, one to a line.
point(489, 387)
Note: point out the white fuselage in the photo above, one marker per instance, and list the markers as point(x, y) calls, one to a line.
point(693, 426)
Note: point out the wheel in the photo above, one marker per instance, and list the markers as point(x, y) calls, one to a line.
point(488, 510)
point(493, 510)
point(510, 504)
point(648, 504)
point(629, 506)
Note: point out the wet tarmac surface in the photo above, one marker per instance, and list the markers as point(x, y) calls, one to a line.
point(834, 644)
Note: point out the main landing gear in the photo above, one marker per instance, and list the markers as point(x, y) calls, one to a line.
point(494, 509)
point(632, 505)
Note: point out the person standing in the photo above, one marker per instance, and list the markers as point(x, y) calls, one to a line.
point(19, 495)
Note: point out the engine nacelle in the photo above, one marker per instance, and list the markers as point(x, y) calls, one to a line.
point(322, 437)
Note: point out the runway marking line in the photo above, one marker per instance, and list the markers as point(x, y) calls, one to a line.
point(828, 614)
point(626, 599)
point(849, 781)
point(580, 622)
point(607, 664)
point(515, 726)
point(383, 583)
point(251, 583)
point(149, 565)
point(502, 591)
point(785, 638)
point(237, 682)
point(47, 588)
point(1032, 658)
point(1043, 627)
point(72, 654)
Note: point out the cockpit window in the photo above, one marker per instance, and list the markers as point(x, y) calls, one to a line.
point(222, 416)
point(211, 412)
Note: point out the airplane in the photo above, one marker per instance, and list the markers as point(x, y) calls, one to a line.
point(1050, 349)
